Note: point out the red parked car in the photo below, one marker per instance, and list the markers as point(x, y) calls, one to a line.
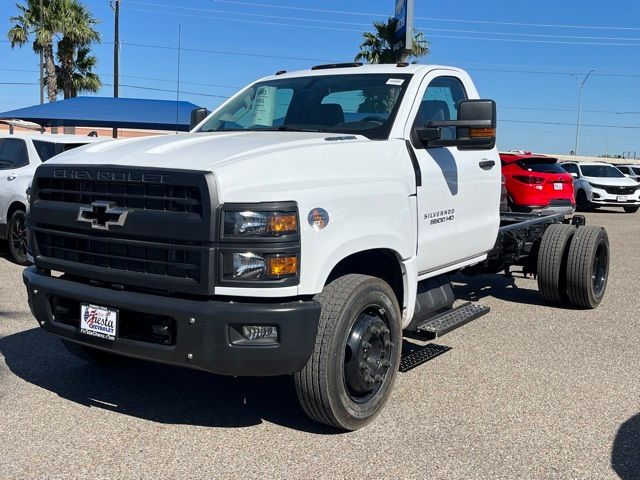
point(537, 183)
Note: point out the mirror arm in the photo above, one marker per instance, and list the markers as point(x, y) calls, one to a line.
point(461, 123)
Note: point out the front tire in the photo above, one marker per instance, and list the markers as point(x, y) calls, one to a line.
point(582, 203)
point(17, 238)
point(631, 209)
point(350, 374)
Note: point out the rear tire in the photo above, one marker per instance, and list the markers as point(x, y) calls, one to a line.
point(17, 238)
point(588, 267)
point(631, 209)
point(552, 262)
point(350, 374)
point(92, 355)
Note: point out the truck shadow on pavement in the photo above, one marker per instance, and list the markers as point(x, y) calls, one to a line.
point(473, 289)
point(625, 454)
point(154, 392)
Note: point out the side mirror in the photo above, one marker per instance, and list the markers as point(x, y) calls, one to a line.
point(197, 116)
point(574, 174)
point(475, 127)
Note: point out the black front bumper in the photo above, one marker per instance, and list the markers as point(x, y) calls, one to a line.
point(202, 328)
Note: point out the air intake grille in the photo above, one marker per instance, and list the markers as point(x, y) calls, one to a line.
point(144, 196)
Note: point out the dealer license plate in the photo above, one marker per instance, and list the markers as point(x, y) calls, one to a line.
point(101, 322)
point(557, 186)
point(622, 198)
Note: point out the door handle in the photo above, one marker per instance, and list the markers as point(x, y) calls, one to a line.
point(487, 164)
point(12, 176)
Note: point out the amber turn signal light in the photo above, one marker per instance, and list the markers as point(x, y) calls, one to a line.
point(283, 223)
point(482, 132)
point(284, 266)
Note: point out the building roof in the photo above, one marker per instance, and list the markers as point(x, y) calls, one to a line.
point(108, 112)
point(47, 137)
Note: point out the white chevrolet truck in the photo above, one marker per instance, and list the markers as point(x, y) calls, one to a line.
point(304, 227)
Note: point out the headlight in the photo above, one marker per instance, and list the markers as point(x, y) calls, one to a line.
point(252, 266)
point(259, 224)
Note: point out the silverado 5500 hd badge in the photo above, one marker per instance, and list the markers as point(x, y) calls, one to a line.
point(440, 216)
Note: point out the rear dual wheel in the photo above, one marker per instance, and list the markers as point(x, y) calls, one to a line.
point(573, 265)
point(351, 372)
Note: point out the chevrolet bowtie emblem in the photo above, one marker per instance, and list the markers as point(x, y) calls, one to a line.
point(103, 214)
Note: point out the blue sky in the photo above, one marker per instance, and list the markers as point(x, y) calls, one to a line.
point(520, 53)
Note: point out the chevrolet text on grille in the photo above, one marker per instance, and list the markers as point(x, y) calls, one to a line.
point(111, 176)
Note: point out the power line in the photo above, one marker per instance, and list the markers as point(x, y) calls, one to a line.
point(458, 37)
point(261, 15)
point(572, 124)
point(435, 19)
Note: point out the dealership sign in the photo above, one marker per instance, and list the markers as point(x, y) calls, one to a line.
point(404, 14)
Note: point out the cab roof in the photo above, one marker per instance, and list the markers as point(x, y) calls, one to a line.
point(351, 69)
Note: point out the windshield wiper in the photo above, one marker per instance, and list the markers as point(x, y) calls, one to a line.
point(286, 128)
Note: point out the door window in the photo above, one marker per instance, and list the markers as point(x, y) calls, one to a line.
point(440, 102)
point(13, 153)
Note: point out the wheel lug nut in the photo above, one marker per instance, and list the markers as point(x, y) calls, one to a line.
point(379, 378)
point(366, 345)
point(389, 343)
point(375, 330)
point(363, 365)
point(385, 363)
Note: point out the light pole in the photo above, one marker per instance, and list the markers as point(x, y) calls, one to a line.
point(116, 54)
point(580, 87)
point(41, 63)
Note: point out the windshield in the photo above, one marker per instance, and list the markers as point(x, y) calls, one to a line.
point(352, 104)
point(601, 171)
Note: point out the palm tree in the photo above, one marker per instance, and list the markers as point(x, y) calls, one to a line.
point(43, 25)
point(381, 46)
point(81, 77)
point(75, 63)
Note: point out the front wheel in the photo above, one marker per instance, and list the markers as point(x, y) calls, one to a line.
point(582, 202)
point(17, 238)
point(351, 372)
point(631, 209)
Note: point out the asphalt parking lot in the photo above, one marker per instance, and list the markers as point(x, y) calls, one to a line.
point(528, 391)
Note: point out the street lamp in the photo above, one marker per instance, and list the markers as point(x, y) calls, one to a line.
point(580, 87)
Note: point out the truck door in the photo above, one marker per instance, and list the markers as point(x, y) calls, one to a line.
point(459, 196)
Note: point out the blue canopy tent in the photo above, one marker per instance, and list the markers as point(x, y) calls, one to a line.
point(109, 113)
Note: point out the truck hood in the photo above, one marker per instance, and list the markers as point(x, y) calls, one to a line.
point(612, 181)
point(201, 151)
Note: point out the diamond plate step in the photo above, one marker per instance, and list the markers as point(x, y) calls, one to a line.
point(452, 319)
point(421, 355)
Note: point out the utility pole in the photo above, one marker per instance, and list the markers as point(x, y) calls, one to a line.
point(41, 63)
point(116, 53)
point(580, 87)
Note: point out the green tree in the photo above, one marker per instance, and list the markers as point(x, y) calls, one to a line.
point(75, 70)
point(380, 46)
point(28, 24)
point(74, 26)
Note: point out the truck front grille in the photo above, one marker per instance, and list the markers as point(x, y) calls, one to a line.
point(164, 238)
point(167, 258)
point(171, 198)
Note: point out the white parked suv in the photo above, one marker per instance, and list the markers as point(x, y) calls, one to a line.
point(20, 155)
point(602, 185)
point(298, 229)
point(631, 171)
